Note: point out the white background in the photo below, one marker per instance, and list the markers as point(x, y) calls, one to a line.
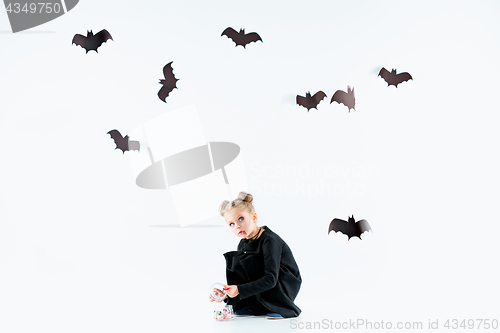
point(83, 249)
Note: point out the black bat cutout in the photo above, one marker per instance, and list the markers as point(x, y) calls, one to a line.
point(346, 98)
point(310, 102)
point(349, 227)
point(240, 38)
point(123, 143)
point(392, 78)
point(91, 41)
point(169, 83)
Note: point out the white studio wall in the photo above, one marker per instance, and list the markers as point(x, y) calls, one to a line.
point(95, 238)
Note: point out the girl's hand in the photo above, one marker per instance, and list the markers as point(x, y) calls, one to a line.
point(218, 293)
point(231, 291)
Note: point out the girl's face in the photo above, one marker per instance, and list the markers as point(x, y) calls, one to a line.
point(242, 222)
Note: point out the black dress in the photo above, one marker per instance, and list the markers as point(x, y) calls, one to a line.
point(266, 274)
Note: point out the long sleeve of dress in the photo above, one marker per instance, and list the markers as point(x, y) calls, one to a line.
point(272, 255)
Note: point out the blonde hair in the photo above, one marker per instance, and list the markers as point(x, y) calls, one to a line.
point(243, 201)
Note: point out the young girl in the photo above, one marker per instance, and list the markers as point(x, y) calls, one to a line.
point(262, 275)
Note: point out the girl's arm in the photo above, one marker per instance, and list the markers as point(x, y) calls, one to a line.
point(272, 255)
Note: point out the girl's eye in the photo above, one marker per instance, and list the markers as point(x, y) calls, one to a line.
point(240, 218)
point(231, 224)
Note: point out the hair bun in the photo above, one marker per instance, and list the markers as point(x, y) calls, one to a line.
point(244, 196)
point(224, 207)
point(244, 200)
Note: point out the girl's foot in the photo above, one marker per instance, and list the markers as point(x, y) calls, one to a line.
point(245, 312)
point(274, 315)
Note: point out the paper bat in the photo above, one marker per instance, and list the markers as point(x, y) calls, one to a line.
point(392, 78)
point(169, 83)
point(310, 102)
point(91, 42)
point(123, 143)
point(240, 38)
point(349, 227)
point(346, 98)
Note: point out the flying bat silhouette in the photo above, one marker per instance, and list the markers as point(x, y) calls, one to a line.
point(240, 38)
point(169, 83)
point(392, 78)
point(310, 102)
point(91, 41)
point(346, 98)
point(123, 143)
point(349, 227)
